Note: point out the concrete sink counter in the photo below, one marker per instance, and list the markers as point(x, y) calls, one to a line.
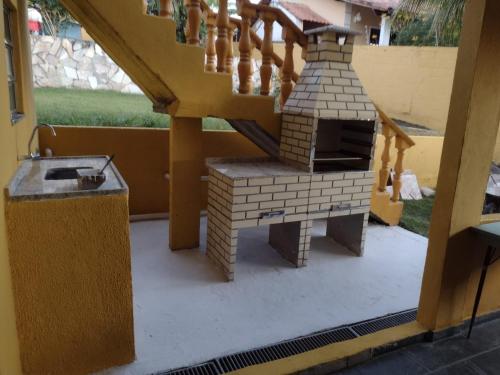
point(70, 261)
point(29, 182)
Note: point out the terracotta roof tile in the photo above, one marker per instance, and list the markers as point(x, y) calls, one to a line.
point(376, 4)
point(303, 12)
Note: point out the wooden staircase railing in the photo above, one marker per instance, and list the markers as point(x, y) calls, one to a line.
point(219, 42)
point(387, 206)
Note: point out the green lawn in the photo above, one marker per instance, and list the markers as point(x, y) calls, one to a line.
point(417, 216)
point(60, 106)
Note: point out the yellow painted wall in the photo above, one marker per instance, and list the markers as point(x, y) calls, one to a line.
point(13, 142)
point(142, 157)
point(71, 271)
point(409, 83)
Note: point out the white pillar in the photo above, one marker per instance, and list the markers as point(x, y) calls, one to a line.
point(385, 30)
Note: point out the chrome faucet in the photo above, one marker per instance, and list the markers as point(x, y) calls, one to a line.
point(36, 155)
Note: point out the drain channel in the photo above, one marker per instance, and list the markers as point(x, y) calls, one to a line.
point(296, 346)
point(389, 321)
point(284, 349)
point(208, 368)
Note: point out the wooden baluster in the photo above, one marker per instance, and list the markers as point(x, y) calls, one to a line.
point(222, 44)
point(386, 157)
point(266, 69)
point(166, 9)
point(210, 49)
point(194, 21)
point(288, 66)
point(230, 49)
point(186, 32)
point(245, 64)
point(252, 68)
point(401, 146)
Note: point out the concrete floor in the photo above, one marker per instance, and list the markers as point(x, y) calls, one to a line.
point(185, 312)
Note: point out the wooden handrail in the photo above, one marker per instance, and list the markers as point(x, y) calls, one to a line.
point(260, 8)
point(395, 127)
point(193, 21)
point(403, 142)
point(166, 9)
point(245, 47)
point(222, 42)
point(267, 50)
point(278, 61)
point(288, 66)
point(281, 18)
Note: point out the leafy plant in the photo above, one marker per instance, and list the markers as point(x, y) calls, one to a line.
point(442, 17)
point(54, 15)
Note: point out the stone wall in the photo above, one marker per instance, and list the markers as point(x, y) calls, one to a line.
point(75, 63)
point(81, 64)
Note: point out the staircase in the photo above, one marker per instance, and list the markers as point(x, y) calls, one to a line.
point(186, 80)
point(386, 206)
point(191, 81)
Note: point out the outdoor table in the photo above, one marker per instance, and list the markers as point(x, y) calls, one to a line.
point(489, 234)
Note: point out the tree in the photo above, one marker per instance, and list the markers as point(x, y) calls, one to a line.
point(444, 18)
point(54, 15)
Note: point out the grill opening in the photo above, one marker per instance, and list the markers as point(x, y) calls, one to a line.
point(343, 145)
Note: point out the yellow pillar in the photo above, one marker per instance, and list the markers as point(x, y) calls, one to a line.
point(185, 164)
point(467, 153)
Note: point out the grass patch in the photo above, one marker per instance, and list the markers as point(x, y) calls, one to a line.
point(417, 215)
point(60, 106)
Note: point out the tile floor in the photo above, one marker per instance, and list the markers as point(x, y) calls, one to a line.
point(454, 356)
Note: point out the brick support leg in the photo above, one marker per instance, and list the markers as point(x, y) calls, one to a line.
point(292, 240)
point(349, 231)
point(222, 243)
point(185, 162)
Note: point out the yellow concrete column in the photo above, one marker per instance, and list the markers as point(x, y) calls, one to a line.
point(467, 153)
point(185, 164)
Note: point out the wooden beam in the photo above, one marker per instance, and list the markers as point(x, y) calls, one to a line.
point(185, 165)
point(467, 153)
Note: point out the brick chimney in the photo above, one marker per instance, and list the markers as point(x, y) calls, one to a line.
point(328, 92)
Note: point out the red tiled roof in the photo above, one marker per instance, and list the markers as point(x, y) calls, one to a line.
point(303, 12)
point(376, 4)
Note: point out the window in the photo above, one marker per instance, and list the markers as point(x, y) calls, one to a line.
point(374, 37)
point(11, 70)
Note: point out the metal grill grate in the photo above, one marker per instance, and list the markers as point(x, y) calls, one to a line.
point(209, 368)
point(385, 322)
point(285, 349)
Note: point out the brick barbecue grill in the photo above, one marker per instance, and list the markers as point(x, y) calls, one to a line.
point(324, 172)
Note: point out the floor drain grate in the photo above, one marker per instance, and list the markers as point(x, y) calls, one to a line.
point(296, 346)
point(389, 321)
point(285, 349)
point(209, 368)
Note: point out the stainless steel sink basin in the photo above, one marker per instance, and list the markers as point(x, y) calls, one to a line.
point(63, 173)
